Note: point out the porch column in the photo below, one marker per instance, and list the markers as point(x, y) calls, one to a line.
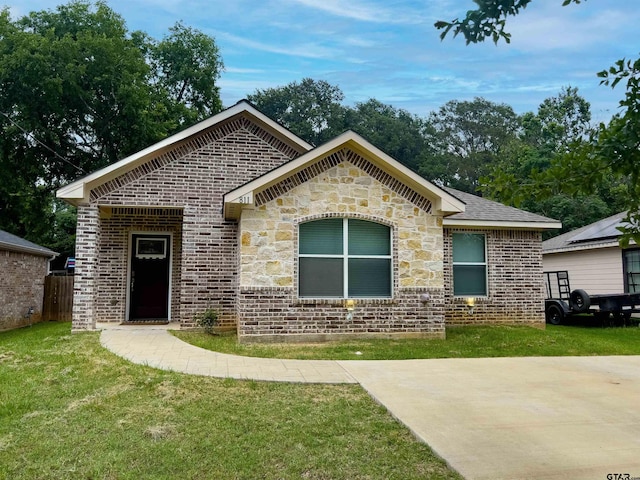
point(84, 288)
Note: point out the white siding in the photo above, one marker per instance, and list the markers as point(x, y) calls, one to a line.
point(595, 271)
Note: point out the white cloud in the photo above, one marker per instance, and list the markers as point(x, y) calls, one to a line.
point(243, 70)
point(365, 12)
point(307, 50)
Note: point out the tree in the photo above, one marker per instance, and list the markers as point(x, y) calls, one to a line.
point(467, 138)
point(487, 21)
point(76, 93)
point(612, 150)
point(311, 109)
point(397, 132)
point(187, 64)
point(560, 123)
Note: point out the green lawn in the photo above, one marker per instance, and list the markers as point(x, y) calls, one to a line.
point(70, 409)
point(461, 342)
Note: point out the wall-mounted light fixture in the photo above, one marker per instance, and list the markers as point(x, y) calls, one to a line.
point(471, 303)
point(425, 297)
point(350, 305)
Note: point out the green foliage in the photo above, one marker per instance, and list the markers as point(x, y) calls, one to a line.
point(207, 320)
point(612, 151)
point(467, 138)
point(397, 132)
point(487, 21)
point(187, 65)
point(77, 93)
point(311, 109)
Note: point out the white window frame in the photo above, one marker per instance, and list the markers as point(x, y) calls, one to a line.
point(345, 259)
point(485, 264)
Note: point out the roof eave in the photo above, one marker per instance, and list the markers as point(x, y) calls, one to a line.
point(77, 192)
point(444, 203)
point(24, 249)
point(503, 225)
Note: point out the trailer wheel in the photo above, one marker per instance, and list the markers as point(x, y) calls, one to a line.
point(554, 315)
point(580, 301)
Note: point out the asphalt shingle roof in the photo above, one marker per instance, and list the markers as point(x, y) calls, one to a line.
point(478, 208)
point(9, 241)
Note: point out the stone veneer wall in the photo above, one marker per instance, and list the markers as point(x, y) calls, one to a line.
point(268, 305)
point(193, 177)
point(21, 287)
point(515, 283)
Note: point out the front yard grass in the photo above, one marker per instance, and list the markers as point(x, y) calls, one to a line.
point(461, 342)
point(70, 409)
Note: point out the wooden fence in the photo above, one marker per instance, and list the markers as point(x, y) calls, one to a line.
point(58, 298)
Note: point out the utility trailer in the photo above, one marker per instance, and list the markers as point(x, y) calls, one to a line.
point(562, 302)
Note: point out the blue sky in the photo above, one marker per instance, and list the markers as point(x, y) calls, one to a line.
point(389, 49)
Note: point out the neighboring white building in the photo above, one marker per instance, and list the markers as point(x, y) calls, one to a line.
point(594, 259)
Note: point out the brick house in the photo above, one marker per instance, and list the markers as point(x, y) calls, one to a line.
point(290, 242)
point(23, 265)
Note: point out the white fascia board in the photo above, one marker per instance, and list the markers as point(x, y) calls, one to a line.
point(508, 225)
point(24, 249)
point(579, 248)
point(78, 191)
point(443, 201)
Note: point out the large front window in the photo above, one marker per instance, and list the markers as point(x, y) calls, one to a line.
point(469, 265)
point(344, 258)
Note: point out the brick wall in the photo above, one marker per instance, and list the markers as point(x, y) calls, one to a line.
point(515, 284)
point(117, 225)
point(193, 177)
point(21, 287)
point(268, 313)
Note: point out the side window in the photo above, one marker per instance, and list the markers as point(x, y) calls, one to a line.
point(344, 258)
point(631, 271)
point(469, 265)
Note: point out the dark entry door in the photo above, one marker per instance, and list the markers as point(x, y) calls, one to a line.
point(149, 286)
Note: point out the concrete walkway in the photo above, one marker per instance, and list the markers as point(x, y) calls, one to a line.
point(494, 418)
point(154, 346)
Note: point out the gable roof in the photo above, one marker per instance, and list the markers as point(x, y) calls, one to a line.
point(78, 191)
point(443, 202)
point(601, 234)
point(14, 243)
point(480, 213)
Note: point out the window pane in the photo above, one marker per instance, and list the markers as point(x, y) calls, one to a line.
point(369, 277)
point(632, 269)
point(321, 237)
point(321, 277)
point(468, 247)
point(469, 280)
point(368, 238)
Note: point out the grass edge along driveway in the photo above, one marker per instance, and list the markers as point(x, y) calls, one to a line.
point(461, 342)
point(71, 409)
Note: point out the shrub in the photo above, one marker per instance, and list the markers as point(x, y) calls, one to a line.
point(207, 319)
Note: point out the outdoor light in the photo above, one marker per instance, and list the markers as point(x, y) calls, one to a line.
point(471, 302)
point(350, 305)
point(425, 297)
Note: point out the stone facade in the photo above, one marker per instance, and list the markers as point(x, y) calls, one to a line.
point(21, 288)
point(515, 282)
point(269, 306)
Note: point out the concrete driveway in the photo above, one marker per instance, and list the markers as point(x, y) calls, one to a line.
point(517, 418)
point(491, 418)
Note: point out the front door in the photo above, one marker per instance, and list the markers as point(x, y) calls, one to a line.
point(149, 285)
